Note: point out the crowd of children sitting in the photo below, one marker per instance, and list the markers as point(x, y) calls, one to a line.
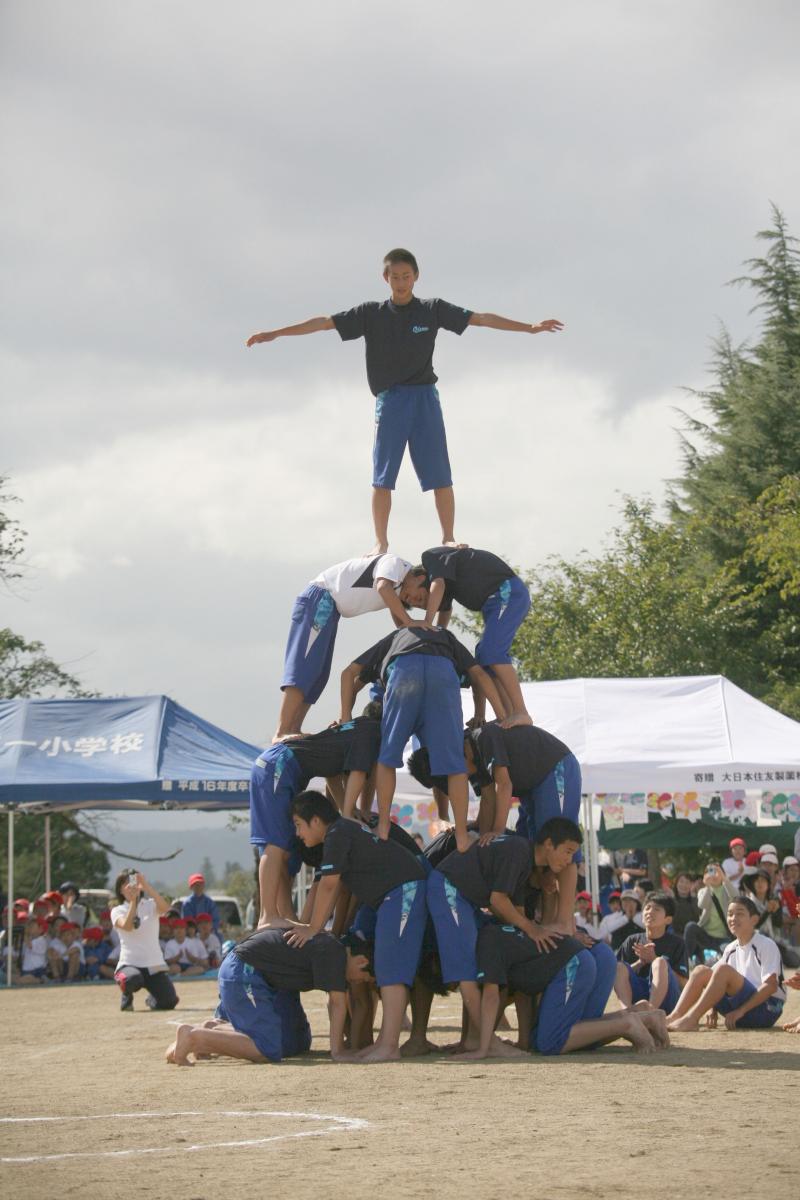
point(63, 941)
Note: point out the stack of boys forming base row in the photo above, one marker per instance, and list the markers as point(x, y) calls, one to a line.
point(486, 910)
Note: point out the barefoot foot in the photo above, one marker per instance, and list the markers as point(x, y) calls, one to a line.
point(415, 1047)
point(183, 1045)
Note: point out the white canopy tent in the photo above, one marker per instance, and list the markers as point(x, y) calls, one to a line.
point(697, 732)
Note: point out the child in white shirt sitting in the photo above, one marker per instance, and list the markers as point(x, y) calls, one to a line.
point(187, 954)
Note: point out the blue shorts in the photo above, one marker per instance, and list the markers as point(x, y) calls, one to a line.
point(423, 696)
point(762, 1017)
point(399, 930)
point(410, 414)
point(309, 648)
point(564, 1003)
point(275, 779)
point(273, 1019)
point(605, 961)
point(642, 984)
point(455, 920)
point(558, 795)
point(503, 613)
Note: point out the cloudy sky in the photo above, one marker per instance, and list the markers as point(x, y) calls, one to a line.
point(180, 175)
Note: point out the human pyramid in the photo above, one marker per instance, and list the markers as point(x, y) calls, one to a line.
point(483, 909)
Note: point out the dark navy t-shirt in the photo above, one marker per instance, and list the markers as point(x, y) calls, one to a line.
point(470, 576)
point(504, 865)
point(508, 957)
point(528, 752)
point(669, 946)
point(320, 963)
point(368, 866)
point(441, 643)
point(400, 337)
point(353, 746)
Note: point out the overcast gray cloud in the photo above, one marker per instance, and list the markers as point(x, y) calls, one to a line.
point(179, 175)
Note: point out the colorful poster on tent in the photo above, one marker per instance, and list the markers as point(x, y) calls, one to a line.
point(634, 807)
point(613, 812)
point(687, 806)
point(660, 802)
point(780, 806)
point(738, 806)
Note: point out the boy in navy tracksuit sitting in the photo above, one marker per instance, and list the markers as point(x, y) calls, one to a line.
point(652, 965)
point(483, 583)
point(381, 874)
point(279, 774)
point(423, 671)
point(400, 335)
point(574, 987)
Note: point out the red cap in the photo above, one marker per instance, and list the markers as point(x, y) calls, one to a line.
point(93, 934)
point(737, 842)
point(198, 878)
point(204, 917)
point(165, 920)
point(752, 859)
point(69, 925)
point(105, 915)
point(55, 897)
point(178, 923)
point(584, 896)
point(42, 924)
point(614, 895)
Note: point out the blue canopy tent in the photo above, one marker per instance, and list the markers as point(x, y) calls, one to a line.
point(136, 752)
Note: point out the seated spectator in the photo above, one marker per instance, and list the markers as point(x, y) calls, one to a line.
point(631, 918)
point(793, 1026)
point(187, 954)
point(65, 953)
point(96, 949)
point(734, 865)
point(652, 965)
point(686, 907)
point(631, 867)
point(212, 944)
point(613, 919)
point(110, 934)
point(164, 930)
point(757, 885)
point(643, 888)
point(53, 900)
point(70, 908)
point(710, 932)
point(199, 902)
point(789, 896)
point(33, 953)
point(583, 916)
point(744, 986)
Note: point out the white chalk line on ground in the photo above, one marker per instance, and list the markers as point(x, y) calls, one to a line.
point(341, 1125)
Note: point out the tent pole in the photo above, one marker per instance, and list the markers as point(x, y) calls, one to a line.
point(590, 847)
point(10, 926)
point(595, 863)
point(47, 883)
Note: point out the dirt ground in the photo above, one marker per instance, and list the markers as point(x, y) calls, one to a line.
point(90, 1109)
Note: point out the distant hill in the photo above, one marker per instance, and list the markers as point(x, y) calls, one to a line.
point(221, 846)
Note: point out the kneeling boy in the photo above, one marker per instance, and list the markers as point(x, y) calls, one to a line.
point(574, 985)
point(652, 965)
point(746, 985)
point(382, 875)
point(260, 1015)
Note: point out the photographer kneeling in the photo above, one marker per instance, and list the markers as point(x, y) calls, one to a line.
point(141, 963)
point(711, 931)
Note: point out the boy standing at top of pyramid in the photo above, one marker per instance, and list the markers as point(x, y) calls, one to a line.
point(400, 334)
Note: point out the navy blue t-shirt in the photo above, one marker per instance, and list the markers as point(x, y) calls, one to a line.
point(528, 752)
point(470, 576)
point(400, 337)
point(368, 866)
point(503, 865)
point(441, 643)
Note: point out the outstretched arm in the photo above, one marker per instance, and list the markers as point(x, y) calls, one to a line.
point(492, 321)
point(315, 325)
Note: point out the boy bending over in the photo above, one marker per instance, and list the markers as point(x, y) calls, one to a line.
point(260, 1017)
point(382, 875)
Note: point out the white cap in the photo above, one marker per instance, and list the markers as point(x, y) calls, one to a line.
point(767, 849)
point(791, 861)
point(770, 858)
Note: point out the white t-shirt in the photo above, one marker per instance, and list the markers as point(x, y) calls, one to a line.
point(756, 961)
point(139, 947)
point(211, 945)
point(34, 954)
point(586, 927)
point(614, 921)
point(732, 867)
point(184, 949)
point(352, 583)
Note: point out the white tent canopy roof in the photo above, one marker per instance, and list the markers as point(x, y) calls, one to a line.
point(682, 733)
